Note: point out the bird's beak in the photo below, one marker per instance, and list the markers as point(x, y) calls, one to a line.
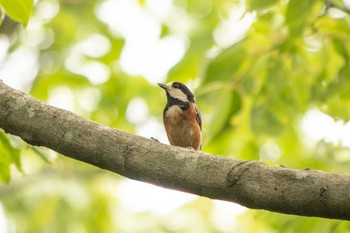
point(164, 86)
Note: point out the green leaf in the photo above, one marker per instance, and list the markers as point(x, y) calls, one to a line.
point(296, 16)
point(228, 63)
point(264, 120)
point(191, 64)
point(19, 10)
point(5, 173)
point(0, 17)
point(41, 154)
point(8, 155)
point(256, 5)
point(250, 150)
point(228, 103)
point(340, 48)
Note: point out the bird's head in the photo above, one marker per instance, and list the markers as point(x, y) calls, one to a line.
point(177, 90)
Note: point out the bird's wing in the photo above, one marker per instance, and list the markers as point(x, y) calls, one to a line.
point(198, 118)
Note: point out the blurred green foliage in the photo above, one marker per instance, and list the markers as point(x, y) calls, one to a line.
point(9, 155)
point(257, 68)
point(19, 10)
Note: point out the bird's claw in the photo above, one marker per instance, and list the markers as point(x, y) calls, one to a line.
point(154, 139)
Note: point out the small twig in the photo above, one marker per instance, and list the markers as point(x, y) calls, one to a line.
point(331, 4)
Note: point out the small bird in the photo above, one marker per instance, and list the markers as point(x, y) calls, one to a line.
point(181, 117)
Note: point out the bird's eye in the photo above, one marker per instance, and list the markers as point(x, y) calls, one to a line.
point(176, 85)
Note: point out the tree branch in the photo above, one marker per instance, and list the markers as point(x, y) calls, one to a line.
point(249, 183)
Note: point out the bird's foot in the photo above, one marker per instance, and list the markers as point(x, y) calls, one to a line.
point(154, 139)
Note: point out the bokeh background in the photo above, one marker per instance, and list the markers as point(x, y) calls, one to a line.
point(271, 78)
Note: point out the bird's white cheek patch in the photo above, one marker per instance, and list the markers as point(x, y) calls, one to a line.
point(178, 94)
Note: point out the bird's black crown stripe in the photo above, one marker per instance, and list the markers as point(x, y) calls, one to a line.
point(185, 90)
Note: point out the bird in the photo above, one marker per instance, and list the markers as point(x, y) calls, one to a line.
point(181, 117)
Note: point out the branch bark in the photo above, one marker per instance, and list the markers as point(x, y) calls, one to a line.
point(250, 183)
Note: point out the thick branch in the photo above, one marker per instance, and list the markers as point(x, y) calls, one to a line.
point(249, 183)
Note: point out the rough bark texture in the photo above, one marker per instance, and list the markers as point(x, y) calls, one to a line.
point(249, 183)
